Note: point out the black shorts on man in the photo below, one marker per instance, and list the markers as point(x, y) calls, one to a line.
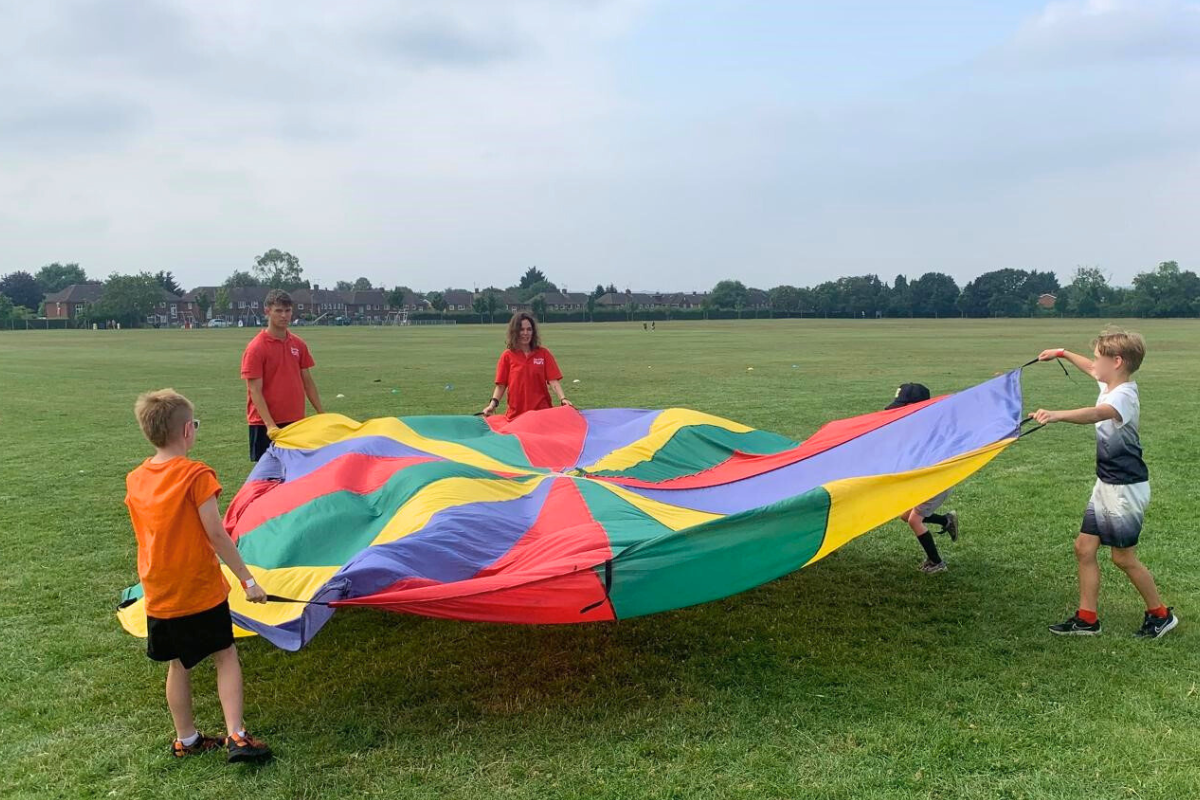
point(259, 441)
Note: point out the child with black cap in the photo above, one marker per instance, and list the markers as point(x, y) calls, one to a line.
point(918, 518)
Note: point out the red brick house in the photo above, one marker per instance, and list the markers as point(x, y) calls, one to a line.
point(73, 301)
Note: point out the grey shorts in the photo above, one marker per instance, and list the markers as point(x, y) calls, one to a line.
point(934, 503)
point(1115, 513)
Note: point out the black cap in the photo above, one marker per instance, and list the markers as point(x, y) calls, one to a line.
point(909, 393)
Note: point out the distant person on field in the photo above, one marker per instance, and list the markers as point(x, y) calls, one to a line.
point(172, 503)
point(920, 517)
point(275, 366)
point(526, 371)
point(1117, 507)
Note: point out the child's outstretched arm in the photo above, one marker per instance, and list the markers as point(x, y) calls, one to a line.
point(227, 551)
point(1082, 363)
point(1080, 416)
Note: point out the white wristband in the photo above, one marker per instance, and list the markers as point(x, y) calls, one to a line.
point(249, 584)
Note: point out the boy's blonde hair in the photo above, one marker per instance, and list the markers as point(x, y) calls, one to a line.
point(1130, 346)
point(162, 415)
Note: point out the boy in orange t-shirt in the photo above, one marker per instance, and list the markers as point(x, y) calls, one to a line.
point(172, 504)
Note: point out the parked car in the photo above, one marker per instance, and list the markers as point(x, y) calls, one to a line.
point(218, 323)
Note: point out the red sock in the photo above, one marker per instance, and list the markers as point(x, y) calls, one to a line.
point(1160, 612)
point(1087, 616)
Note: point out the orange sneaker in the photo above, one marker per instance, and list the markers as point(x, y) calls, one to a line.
point(201, 745)
point(246, 748)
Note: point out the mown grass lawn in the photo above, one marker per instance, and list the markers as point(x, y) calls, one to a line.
point(856, 678)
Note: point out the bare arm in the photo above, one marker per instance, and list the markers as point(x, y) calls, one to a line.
point(1082, 363)
point(497, 396)
point(557, 387)
point(1089, 415)
point(310, 390)
point(260, 402)
point(227, 551)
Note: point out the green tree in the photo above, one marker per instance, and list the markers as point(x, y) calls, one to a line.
point(527, 293)
point(1166, 292)
point(22, 289)
point(362, 285)
point(56, 277)
point(479, 305)
point(6, 309)
point(934, 294)
point(277, 269)
point(599, 291)
point(437, 301)
point(1005, 292)
point(591, 305)
point(1088, 293)
point(204, 303)
point(397, 297)
point(862, 295)
point(167, 281)
point(729, 294)
point(784, 298)
point(129, 299)
point(491, 302)
point(532, 276)
point(343, 286)
point(221, 302)
point(241, 279)
point(900, 301)
point(538, 305)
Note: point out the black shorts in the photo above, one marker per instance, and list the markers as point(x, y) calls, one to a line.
point(190, 639)
point(259, 441)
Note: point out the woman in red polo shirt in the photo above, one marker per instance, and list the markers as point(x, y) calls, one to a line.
point(526, 370)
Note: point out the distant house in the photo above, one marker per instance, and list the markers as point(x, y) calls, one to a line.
point(1047, 300)
point(73, 301)
point(565, 301)
point(169, 310)
point(245, 305)
point(668, 300)
point(458, 299)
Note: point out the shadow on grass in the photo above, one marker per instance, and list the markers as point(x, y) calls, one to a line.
point(860, 623)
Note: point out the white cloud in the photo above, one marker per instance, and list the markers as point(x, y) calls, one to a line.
point(1070, 32)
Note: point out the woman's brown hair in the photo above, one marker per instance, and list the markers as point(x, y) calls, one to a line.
point(514, 331)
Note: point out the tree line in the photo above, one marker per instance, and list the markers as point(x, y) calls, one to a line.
point(1165, 291)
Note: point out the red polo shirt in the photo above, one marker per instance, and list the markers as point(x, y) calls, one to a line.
point(278, 362)
point(526, 377)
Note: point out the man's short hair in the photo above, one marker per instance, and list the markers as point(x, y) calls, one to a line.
point(277, 297)
point(162, 415)
point(1130, 346)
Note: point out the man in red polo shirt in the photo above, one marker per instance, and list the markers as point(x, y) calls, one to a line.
point(276, 367)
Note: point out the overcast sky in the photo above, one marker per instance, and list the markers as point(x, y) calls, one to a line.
point(653, 144)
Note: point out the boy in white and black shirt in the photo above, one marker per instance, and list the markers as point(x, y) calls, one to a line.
point(1117, 507)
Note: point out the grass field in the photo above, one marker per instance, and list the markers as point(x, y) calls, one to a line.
point(856, 678)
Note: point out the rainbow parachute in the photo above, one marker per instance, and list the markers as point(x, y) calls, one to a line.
point(563, 516)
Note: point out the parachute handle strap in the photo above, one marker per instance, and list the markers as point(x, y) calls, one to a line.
point(607, 588)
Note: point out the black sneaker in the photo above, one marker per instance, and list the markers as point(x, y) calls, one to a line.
point(1153, 627)
point(201, 745)
point(246, 748)
point(951, 525)
point(1076, 627)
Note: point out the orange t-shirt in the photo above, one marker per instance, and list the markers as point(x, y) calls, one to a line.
point(177, 564)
